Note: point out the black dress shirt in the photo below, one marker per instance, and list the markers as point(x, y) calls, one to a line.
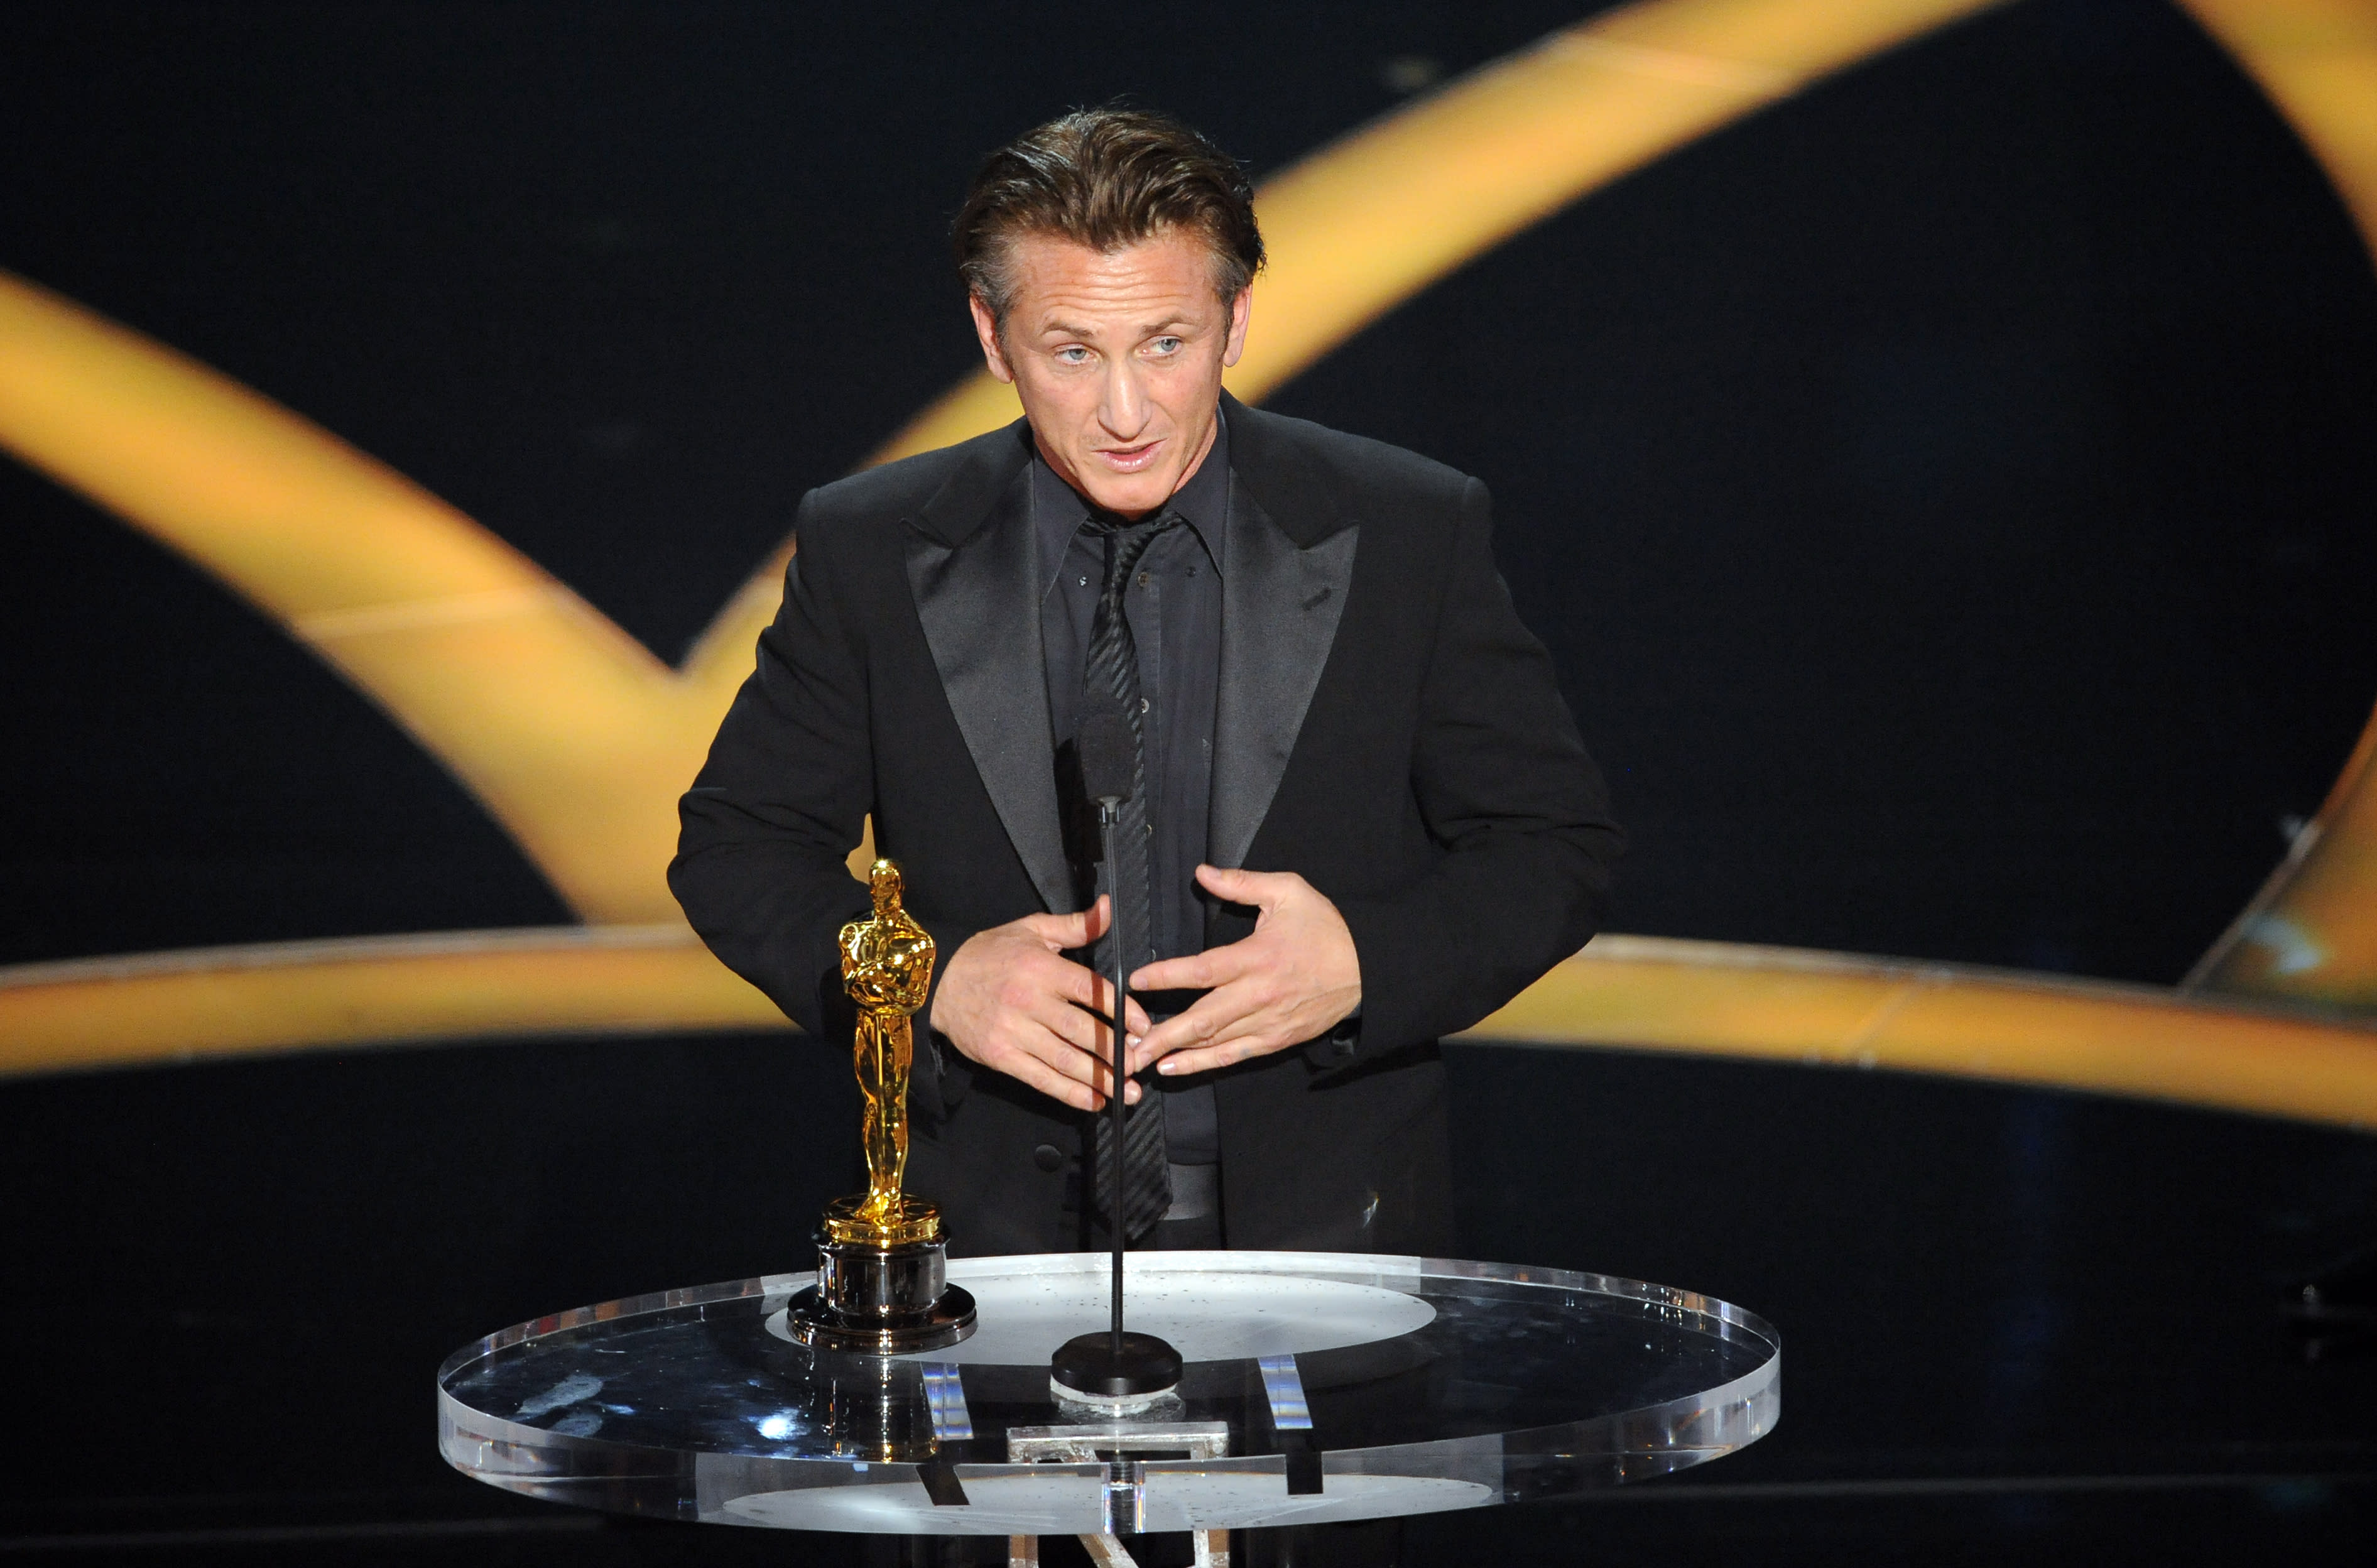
point(1174, 605)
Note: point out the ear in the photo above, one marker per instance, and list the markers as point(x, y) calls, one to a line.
point(985, 327)
point(1240, 309)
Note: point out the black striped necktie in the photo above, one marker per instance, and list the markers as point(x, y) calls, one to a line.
point(1111, 676)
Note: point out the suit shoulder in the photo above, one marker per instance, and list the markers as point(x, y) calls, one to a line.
point(875, 498)
point(1371, 477)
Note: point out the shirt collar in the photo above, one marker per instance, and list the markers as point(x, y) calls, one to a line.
point(1059, 512)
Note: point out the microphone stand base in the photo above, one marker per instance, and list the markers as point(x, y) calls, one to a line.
point(1086, 1371)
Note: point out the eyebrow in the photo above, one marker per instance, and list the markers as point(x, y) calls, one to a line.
point(1070, 329)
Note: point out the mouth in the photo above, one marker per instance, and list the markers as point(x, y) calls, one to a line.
point(1129, 460)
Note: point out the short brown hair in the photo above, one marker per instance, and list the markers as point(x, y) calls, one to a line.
point(1106, 178)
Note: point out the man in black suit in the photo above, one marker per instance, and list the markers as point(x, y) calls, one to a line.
point(1362, 816)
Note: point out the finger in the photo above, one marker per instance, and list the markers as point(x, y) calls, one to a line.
point(1084, 1040)
point(1218, 1015)
point(1198, 972)
point(1255, 1033)
point(1026, 1068)
point(1095, 1060)
point(1058, 932)
point(1091, 1034)
point(1100, 1000)
point(1076, 1047)
point(1084, 1034)
point(1222, 1053)
point(1085, 988)
point(1061, 932)
point(1214, 966)
point(1077, 984)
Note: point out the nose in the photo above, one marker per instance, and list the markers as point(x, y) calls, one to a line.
point(1123, 408)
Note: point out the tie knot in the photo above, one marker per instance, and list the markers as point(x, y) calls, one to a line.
point(1106, 526)
point(1127, 541)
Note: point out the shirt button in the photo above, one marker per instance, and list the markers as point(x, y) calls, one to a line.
point(1085, 582)
point(1142, 578)
point(1142, 704)
point(1048, 1157)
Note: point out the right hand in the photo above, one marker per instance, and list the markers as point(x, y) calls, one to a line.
point(1011, 1000)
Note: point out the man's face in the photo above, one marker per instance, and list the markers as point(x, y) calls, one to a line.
point(1118, 360)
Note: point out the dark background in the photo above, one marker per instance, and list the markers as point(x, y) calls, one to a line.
point(1945, 494)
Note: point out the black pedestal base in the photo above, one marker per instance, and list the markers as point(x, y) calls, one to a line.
point(1088, 1365)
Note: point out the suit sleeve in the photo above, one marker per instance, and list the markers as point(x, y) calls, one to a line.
point(1520, 812)
point(767, 828)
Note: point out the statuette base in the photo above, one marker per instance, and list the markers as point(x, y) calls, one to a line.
point(881, 1300)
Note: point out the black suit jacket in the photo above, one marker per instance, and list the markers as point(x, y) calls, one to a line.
point(1385, 726)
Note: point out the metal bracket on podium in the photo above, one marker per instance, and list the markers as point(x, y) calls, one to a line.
point(1124, 1448)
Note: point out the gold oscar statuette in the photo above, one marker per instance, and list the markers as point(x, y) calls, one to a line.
point(882, 1256)
point(887, 966)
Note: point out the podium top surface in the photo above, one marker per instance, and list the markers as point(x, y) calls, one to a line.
point(1320, 1386)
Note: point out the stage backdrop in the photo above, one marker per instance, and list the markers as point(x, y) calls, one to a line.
point(1932, 437)
point(1945, 491)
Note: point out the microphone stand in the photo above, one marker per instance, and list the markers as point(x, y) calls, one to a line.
point(1115, 1373)
point(1109, 815)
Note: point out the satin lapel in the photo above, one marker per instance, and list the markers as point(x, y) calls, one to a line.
point(979, 602)
point(1280, 609)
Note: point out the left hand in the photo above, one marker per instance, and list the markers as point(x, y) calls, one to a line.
point(1292, 980)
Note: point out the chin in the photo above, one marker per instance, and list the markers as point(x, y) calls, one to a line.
point(1141, 494)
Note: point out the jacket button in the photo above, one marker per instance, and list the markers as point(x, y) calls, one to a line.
point(1048, 1157)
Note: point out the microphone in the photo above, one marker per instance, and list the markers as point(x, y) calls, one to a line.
point(1101, 743)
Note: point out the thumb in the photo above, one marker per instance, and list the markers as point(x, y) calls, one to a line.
point(1075, 930)
point(1235, 885)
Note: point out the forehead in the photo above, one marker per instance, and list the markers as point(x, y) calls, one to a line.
point(1166, 276)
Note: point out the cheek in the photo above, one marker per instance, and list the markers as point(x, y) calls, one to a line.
point(1192, 384)
point(1069, 397)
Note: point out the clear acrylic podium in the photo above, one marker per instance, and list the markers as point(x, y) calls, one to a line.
point(1319, 1387)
